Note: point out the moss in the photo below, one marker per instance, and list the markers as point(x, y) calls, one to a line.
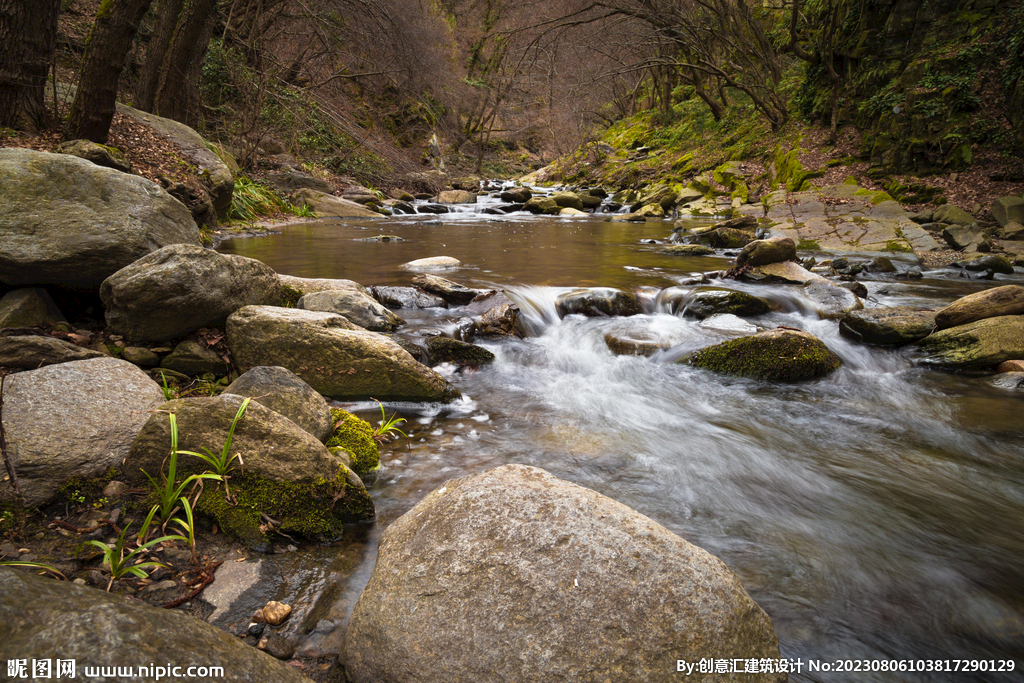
point(875, 198)
point(808, 245)
point(85, 490)
point(290, 296)
point(771, 357)
point(896, 246)
point(356, 437)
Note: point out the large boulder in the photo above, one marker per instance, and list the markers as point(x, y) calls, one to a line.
point(282, 470)
point(514, 575)
point(72, 420)
point(779, 355)
point(709, 302)
point(456, 197)
point(360, 308)
point(887, 326)
point(1008, 210)
point(180, 288)
point(330, 356)
point(977, 345)
point(447, 350)
point(596, 302)
point(67, 221)
point(28, 307)
point(325, 205)
point(763, 252)
point(954, 215)
point(31, 351)
point(46, 620)
point(284, 392)
point(989, 303)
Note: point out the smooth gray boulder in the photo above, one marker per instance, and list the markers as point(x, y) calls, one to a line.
point(332, 357)
point(360, 308)
point(67, 221)
point(284, 392)
point(977, 345)
point(74, 419)
point(887, 326)
point(46, 620)
point(308, 285)
point(29, 307)
point(831, 300)
point(34, 351)
point(764, 252)
point(515, 575)
point(706, 303)
point(180, 288)
point(988, 303)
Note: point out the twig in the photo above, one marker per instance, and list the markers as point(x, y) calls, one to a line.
point(207, 573)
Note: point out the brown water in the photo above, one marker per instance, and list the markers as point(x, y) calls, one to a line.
point(875, 514)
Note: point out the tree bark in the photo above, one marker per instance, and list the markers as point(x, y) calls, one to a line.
point(184, 58)
point(156, 51)
point(28, 33)
point(111, 37)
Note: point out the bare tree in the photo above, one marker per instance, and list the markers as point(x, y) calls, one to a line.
point(28, 32)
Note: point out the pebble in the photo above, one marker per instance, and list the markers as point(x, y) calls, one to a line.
point(276, 612)
point(7, 549)
point(256, 629)
point(280, 647)
point(166, 584)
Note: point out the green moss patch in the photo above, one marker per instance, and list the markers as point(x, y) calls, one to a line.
point(774, 356)
point(355, 436)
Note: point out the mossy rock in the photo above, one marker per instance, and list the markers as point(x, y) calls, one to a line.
point(290, 296)
point(777, 355)
point(706, 303)
point(448, 350)
point(355, 435)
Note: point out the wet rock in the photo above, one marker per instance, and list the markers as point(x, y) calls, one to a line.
point(192, 357)
point(456, 197)
point(1011, 366)
point(727, 322)
point(530, 564)
point(452, 292)
point(34, 351)
point(634, 343)
point(284, 392)
point(516, 195)
point(596, 302)
point(381, 238)
point(334, 359)
point(433, 263)
point(542, 205)
point(359, 308)
point(627, 218)
point(279, 646)
point(325, 205)
point(569, 211)
point(831, 300)
point(688, 250)
point(989, 303)
point(739, 223)
point(726, 238)
point(407, 297)
point(880, 264)
point(67, 221)
point(786, 273)
point(778, 355)
point(97, 629)
point(432, 209)
point(500, 321)
point(28, 307)
point(976, 345)
point(1009, 380)
point(448, 350)
point(764, 252)
point(706, 303)
point(74, 419)
point(997, 263)
point(274, 613)
point(180, 288)
point(887, 326)
point(857, 288)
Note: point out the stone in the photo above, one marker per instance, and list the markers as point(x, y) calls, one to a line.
point(381, 238)
point(180, 288)
point(567, 199)
point(287, 182)
point(831, 300)
point(764, 252)
point(739, 223)
point(308, 285)
point(500, 321)
point(976, 345)
point(75, 419)
point(963, 237)
point(688, 250)
point(988, 303)
point(456, 197)
point(947, 213)
point(778, 355)
point(140, 355)
point(330, 356)
point(284, 392)
point(448, 350)
point(360, 308)
point(727, 238)
point(326, 205)
point(1012, 232)
point(284, 472)
point(880, 264)
point(634, 343)
point(274, 613)
point(997, 263)
point(452, 292)
point(597, 302)
point(549, 581)
point(1008, 210)
point(34, 351)
point(1009, 380)
point(29, 307)
point(67, 221)
point(192, 357)
point(279, 646)
point(542, 205)
point(569, 211)
point(887, 326)
point(101, 630)
point(516, 195)
point(786, 272)
point(101, 155)
point(433, 263)
point(1011, 366)
point(708, 302)
point(407, 297)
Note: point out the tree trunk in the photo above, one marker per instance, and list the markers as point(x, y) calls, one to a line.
point(183, 59)
point(28, 33)
point(111, 37)
point(156, 51)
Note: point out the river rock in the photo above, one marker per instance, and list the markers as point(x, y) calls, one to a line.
point(500, 321)
point(778, 355)
point(45, 618)
point(738, 223)
point(976, 345)
point(74, 419)
point(635, 343)
point(284, 471)
point(284, 392)
point(448, 350)
point(67, 221)
point(433, 263)
point(326, 205)
point(1011, 366)
point(456, 197)
point(948, 213)
point(997, 263)
point(407, 297)
point(569, 211)
point(963, 237)
point(569, 200)
point(33, 351)
point(1009, 380)
point(596, 302)
point(359, 308)
point(29, 307)
point(334, 359)
point(831, 300)
point(989, 303)
point(192, 357)
point(516, 195)
point(537, 579)
point(887, 326)
point(452, 292)
point(786, 272)
point(726, 238)
point(180, 288)
point(705, 303)
point(542, 205)
point(688, 250)
point(289, 181)
point(1008, 210)
point(308, 285)
point(763, 252)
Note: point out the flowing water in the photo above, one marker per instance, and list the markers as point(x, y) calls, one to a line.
point(874, 514)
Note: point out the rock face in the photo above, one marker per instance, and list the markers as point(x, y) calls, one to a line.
point(976, 345)
point(887, 326)
point(75, 419)
point(335, 360)
point(596, 302)
point(28, 307)
point(67, 221)
point(286, 474)
point(180, 288)
point(46, 619)
point(284, 392)
point(763, 252)
point(990, 303)
point(514, 575)
point(361, 309)
point(776, 356)
point(33, 351)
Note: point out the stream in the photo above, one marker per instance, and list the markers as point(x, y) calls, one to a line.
point(877, 513)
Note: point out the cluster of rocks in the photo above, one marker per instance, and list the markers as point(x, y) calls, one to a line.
point(986, 246)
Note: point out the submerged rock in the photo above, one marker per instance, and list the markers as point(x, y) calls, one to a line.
point(448, 350)
point(537, 579)
point(887, 326)
point(433, 263)
point(597, 301)
point(779, 355)
point(977, 345)
point(989, 303)
point(284, 392)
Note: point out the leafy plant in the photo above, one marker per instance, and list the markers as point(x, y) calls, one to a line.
point(188, 526)
point(387, 429)
point(169, 493)
point(119, 564)
point(46, 569)
point(221, 464)
point(168, 392)
point(250, 200)
point(303, 211)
